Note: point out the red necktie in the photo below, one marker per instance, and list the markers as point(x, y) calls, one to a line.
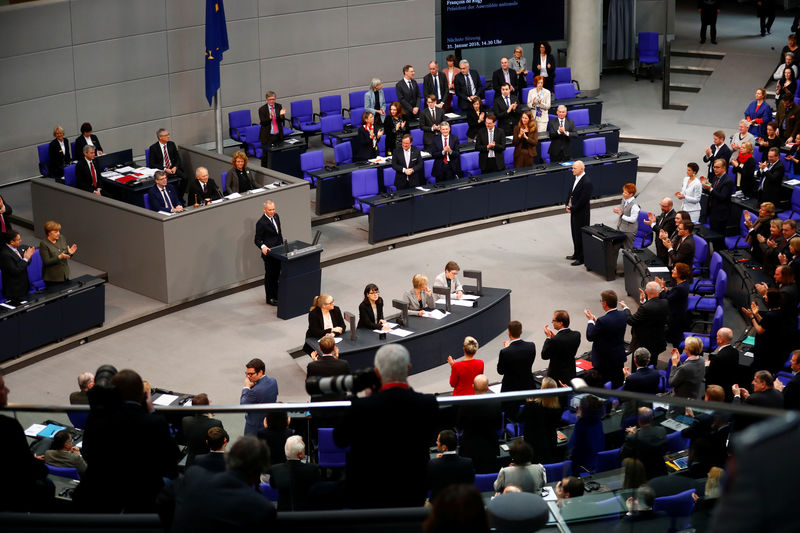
point(2, 224)
point(94, 175)
point(274, 120)
point(446, 159)
point(167, 163)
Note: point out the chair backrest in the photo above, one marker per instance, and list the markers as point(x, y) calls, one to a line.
point(544, 149)
point(681, 504)
point(146, 199)
point(44, 157)
point(224, 180)
point(796, 198)
point(558, 471)
point(720, 286)
point(364, 182)
point(390, 94)
point(236, 120)
point(716, 324)
point(250, 137)
point(524, 95)
point(648, 43)
point(529, 77)
point(356, 98)
point(483, 81)
point(580, 117)
point(594, 146)
point(388, 178)
point(147, 157)
point(608, 460)
point(268, 492)
point(382, 145)
point(460, 131)
point(355, 115)
point(35, 271)
point(330, 105)
point(453, 103)
point(563, 75)
point(508, 158)
point(416, 138)
point(311, 161)
point(564, 91)
point(488, 97)
point(469, 163)
point(78, 420)
point(302, 110)
point(62, 471)
point(485, 482)
point(715, 265)
point(428, 168)
point(329, 455)
point(676, 442)
point(700, 251)
point(69, 175)
point(343, 153)
point(331, 123)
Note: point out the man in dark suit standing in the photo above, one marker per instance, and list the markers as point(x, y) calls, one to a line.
point(680, 249)
point(407, 165)
point(607, 335)
point(164, 155)
point(195, 429)
point(771, 174)
point(578, 207)
point(435, 83)
point(268, 236)
point(649, 321)
point(258, 388)
point(467, 85)
point(271, 117)
point(719, 196)
point(294, 478)
point(327, 364)
point(560, 129)
point(665, 221)
point(389, 431)
point(505, 108)
point(446, 155)
point(87, 176)
point(162, 195)
point(14, 267)
point(408, 93)
point(490, 143)
point(560, 348)
point(723, 363)
point(515, 362)
point(506, 75)
point(479, 423)
point(717, 150)
point(646, 443)
point(203, 188)
point(448, 468)
point(430, 120)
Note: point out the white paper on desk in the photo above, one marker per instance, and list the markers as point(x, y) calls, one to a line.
point(217, 201)
point(455, 301)
point(7, 306)
point(658, 270)
point(123, 170)
point(496, 388)
point(469, 296)
point(437, 314)
point(271, 186)
point(234, 195)
point(166, 213)
point(165, 399)
point(423, 153)
point(391, 324)
point(378, 160)
point(452, 115)
point(549, 494)
point(110, 174)
point(384, 331)
point(292, 141)
point(792, 182)
point(145, 171)
point(422, 189)
point(34, 430)
point(400, 332)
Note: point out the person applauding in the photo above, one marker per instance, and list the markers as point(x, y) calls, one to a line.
point(463, 373)
point(55, 255)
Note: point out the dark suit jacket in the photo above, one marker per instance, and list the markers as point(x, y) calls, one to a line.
point(265, 232)
point(83, 176)
point(719, 203)
point(450, 469)
point(792, 116)
point(362, 146)
point(723, 369)
point(499, 79)
point(647, 445)
point(454, 159)
point(80, 142)
point(426, 121)
point(682, 251)
point(195, 432)
point(723, 153)
point(677, 299)
point(212, 191)
point(647, 326)
point(401, 181)
point(57, 159)
point(667, 223)
point(482, 146)
point(366, 318)
point(293, 480)
point(157, 157)
point(264, 391)
point(479, 423)
point(157, 200)
point(7, 215)
point(580, 197)
point(515, 363)
point(608, 341)
point(408, 98)
point(561, 350)
point(559, 143)
point(266, 123)
point(397, 423)
point(643, 380)
point(772, 183)
point(428, 88)
point(791, 393)
point(211, 461)
point(19, 465)
point(14, 271)
point(461, 87)
point(316, 327)
point(505, 120)
point(326, 366)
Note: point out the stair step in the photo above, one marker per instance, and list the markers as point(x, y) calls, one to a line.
point(699, 71)
point(685, 88)
point(697, 53)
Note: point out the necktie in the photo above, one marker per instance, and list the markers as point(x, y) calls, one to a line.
point(16, 250)
point(408, 158)
point(436, 87)
point(2, 224)
point(471, 85)
point(274, 224)
point(408, 82)
point(94, 175)
point(167, 201)
point(203, 185)
point(491, 140)
point(167, 163)
point(446, 159)
point(274, 120)
point(507, 80)
point(561, 122)
point(508, 103)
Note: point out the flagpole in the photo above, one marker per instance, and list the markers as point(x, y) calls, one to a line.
point(218, 119)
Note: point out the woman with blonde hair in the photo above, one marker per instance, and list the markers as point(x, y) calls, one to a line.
point(421, 296)
point(324, 318)
point(462, 373)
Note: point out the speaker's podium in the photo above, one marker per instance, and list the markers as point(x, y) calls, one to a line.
point(601, 246)
point(300, 277)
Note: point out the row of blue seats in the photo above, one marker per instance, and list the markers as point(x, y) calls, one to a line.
point(34, 275)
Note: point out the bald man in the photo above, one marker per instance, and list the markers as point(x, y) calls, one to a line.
point(561, 130)
point(647, 324)
point(723, 363)
point(203, 190)
point(665, 221)
point(578, 207)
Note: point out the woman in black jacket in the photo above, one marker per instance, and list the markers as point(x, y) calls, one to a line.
point(476, 116)
point(366, 143)
point(324, 318)
point(394, 127)
point(370, 310)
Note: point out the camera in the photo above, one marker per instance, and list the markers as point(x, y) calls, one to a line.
point(346, 383)
point(103, 395)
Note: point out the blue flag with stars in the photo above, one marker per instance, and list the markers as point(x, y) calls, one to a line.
point(216, 43)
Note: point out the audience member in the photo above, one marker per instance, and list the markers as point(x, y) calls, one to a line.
point(326, 364)
point(506, 75)
point(607, 335)
point(479, 423)
point(457, 508)
point(164, 156)
point(647, 324)
point(628, 212)
point(395, 128)
point(375, 101)
point(717, 150)
point(691, 192)
point(791, 391)
point(768, 246)
point(162, 195)
point(521, 473)
point(490, 142)
point(81, 396)
point(275, 432)
point(515, 362)
point(435, 83)
point(640, 516)
point(738, 139)
point(64, 454)
point(446, 153)
point(560, 129)
point(87, 176)
point(578, 207)
point(764, 395)
point(770, 175)
point(216, 441)
point(395, 422)
point(525, 139)
point(545, 65)
point(709, 436)
point(5, 216)
point(370, 310)
point(542, 418)
point(58, 154)
point(271, 117)
point(680, 249)
point(294, 478)
point(760, 226)
point(646, 443)
point(451, 71)
point(14, 267)
point(560, 348)
point(770, 140)
point(420, 297)
point(258, 388)
point(587, 438)
point(633, 473)
point(430, 120)
point(468, 86)
point(463, 373)
point(55, 254)
point(449, 279)
point(203, 190)
point(643, 379)
point(769, 350)
point(505, 108)
point(786, 284)
point(744, 168)
point(665, 221)
point(719, 195)
point(87, 138)
point(239, 179)
point(686, 379)
point(476, 118)
point(519, 64)
point(723, 363)
point(408, 93)
point(407, 165)
point(268, 236)
point(788, 63)
point(758, 114)
point(365, 145)
point(569, 487)
point(677, 298)
point(539, 103)
point(448, 468)
point(195, 429)
point(787, 119)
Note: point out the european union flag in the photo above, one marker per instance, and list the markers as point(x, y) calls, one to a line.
point(216, 43)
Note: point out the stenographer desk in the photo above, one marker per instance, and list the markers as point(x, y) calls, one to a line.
point(452, 202)
point(433, 340)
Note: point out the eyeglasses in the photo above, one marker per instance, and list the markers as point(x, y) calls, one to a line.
point(248, 373)
point(374, 292)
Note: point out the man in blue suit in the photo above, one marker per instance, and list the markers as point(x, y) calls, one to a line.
point(719, 188)
point(162, 195)
point(446, 155)
point(258, 388)
point(607, 334)
point(644, 379)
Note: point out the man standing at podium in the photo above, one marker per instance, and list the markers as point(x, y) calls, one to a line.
point(268, 236)
point(578, 208)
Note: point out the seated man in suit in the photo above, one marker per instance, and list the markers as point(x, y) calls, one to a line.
point(506, 75)
point(14, 267)
point(560, 348)
point(326, 363)
point(87, 176)
point(294, 478)
point(162, 195)
point(85, 383)
point(515, 362)
point(203, 190)
point(446, 154)
point(505, 108)
point(646, 443)
point(607, 335)
point(490, 143)
point(449, 278)
point(408, 93)
point(216, 442)
point(195, 429)
point(448, 468)
point(164, 155)
point(407, 165)
point(467, 85)
point(430, 120)
point(561, 130)
point(681, 248)
point(435, 83)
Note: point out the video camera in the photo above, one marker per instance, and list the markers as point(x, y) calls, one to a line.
point(346, 383)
